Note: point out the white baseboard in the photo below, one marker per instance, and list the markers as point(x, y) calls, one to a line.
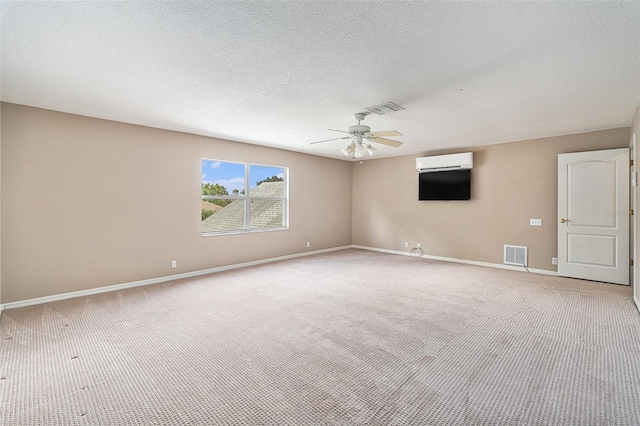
point(468, 262)
point(117, 287)
point(635, 299)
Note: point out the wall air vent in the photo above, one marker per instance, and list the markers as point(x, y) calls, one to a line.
point(385, 108)
point(515, 255)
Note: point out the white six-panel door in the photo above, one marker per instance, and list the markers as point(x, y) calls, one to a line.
point(593, 215)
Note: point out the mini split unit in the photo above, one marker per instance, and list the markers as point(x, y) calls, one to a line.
point(438, 163)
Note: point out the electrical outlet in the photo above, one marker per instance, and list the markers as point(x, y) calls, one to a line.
point(554, 260)
point(406, 244)
point(308, 244)
point(174, 264)
point(418, 245)
point(535, 222)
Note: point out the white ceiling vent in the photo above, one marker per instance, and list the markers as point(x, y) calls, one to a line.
point(385, 108)
point(515, 255)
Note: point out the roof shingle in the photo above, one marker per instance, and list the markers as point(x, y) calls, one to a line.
point(264, 213)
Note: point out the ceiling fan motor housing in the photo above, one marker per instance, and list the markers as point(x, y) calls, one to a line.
point(359, 129)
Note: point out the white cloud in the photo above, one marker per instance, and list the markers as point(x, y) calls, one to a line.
point(215, 164)
point(280, 175)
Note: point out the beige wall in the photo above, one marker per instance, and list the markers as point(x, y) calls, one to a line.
point(511, 183)
point(88, 203)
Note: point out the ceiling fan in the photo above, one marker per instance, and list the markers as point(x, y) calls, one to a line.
point(361, 135)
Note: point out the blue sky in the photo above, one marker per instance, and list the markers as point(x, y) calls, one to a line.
point(231, 175)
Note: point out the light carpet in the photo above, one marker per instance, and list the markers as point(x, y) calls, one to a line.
point(344, 338)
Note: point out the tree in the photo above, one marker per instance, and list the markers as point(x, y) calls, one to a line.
point(270, 179)
point(206, 213)
point(236, 192)
point(215, 189)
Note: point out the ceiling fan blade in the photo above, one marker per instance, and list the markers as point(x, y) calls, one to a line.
point(341, 131)
point(384, 141)
point(334, 139)
point(386, 133)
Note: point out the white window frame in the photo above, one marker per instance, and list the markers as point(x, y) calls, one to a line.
point(248, 198)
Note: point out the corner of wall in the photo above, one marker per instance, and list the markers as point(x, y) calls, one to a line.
point(635, 135)
point(635, 122)
point(1, 209)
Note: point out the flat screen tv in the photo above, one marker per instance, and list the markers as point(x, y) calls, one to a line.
point(444, 186)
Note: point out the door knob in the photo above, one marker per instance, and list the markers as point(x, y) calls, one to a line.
point(563, 220)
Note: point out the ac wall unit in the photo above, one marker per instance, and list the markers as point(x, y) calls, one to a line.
point(437, 163)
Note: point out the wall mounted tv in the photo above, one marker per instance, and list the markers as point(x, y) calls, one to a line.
point(444, 185)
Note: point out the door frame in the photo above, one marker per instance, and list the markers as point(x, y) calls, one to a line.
point(622, 273)
point(633, 225)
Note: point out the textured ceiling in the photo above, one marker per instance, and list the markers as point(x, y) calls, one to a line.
point(281, 73)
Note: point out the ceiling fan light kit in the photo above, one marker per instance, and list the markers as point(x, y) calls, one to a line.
point(357, 150)
point(361, 132)
point(371, 149)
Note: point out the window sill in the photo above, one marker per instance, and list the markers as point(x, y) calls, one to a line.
point(247, 231)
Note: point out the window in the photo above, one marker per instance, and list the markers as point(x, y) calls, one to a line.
point(238, 197)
